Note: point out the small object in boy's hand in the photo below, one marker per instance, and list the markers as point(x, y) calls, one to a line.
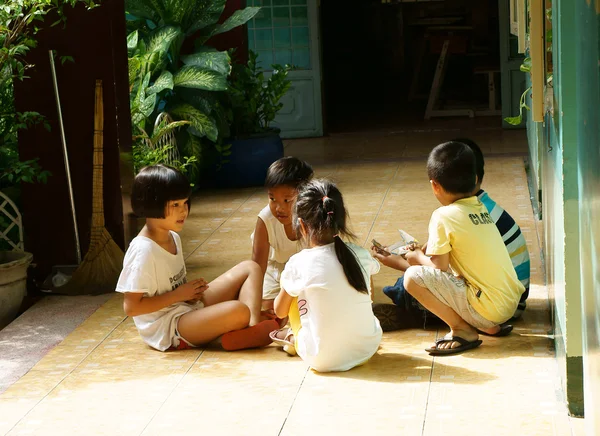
point(380, 248)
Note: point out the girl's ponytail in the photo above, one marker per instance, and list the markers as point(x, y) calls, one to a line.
point(321, 207)
point(352, 268)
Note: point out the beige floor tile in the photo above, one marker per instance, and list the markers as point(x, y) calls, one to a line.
point(12, 410)
point(246, 393)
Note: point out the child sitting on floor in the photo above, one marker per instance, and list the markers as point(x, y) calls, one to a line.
point(481, 291)
point(392, 318)
point(274, 240)
point(168, 311)
point(325, 288)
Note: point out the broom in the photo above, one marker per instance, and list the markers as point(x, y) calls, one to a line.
point(99, 271)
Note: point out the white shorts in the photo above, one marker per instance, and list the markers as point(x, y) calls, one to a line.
point(271, 285)
point(452, 291)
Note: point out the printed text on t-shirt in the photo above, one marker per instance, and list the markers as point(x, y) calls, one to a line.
point(482, 218)
point(178, 279)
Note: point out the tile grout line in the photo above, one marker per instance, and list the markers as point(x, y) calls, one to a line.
point(387, 191)
point(293, 401)
point(67, 375)
point(429, 389)
point(220, 225)
point(172, 390)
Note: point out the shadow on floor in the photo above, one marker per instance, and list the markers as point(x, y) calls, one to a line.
point(404, 368)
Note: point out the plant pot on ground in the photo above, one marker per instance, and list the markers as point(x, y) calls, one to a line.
point(254, 99)
point(13, 283)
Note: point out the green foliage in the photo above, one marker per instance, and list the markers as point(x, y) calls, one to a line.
point(188, 86)
point(516, 121)
point(526, 68)
point(144, 155)
point(255, 100)
point(20, 22)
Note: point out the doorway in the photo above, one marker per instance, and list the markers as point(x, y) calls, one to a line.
point(379, 63)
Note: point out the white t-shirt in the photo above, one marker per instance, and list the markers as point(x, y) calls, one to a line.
point(150, 269)
point(339, 330)
point(281, 246)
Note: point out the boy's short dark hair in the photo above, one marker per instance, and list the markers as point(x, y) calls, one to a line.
point(479, 162)
point(156, 185)
point(288, 171)
point(452, 165)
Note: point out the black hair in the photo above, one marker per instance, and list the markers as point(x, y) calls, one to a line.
point(452, 166)
point(479, 162)
point(320, 205)
point(288, 171)
point(156, 185)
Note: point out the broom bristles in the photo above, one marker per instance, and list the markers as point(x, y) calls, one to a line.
point(99, 271)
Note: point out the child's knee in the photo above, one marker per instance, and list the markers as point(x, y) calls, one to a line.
point(409, 278)
point(240, 314)
point(251, 267)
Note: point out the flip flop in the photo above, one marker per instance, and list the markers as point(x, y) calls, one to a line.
point(504, 331)
point(464, 346)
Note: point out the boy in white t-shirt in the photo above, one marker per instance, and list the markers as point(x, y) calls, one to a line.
point(274, 240)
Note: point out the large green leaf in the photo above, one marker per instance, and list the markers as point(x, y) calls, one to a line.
point(200, 121)
point(237, 19)
point(162, 38)
point(191, 76)
point(132, 42)
point(134, 66)
point(159, 45)
point(142, 9)
point(209, 58)
point(147, 106)
point(206, 13)
point(164, 81)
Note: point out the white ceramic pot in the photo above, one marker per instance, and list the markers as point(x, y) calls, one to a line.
point(13, 283)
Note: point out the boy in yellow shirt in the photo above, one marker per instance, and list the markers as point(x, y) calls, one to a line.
point(481, 290)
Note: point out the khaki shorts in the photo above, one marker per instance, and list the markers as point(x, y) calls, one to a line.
point(452, 291)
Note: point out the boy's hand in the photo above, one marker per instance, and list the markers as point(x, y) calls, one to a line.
point(191, 292)
point(389, 260)
point(415, 256)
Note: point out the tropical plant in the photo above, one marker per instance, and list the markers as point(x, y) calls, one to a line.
point(160, 147)
point(255, 99)
point(20, 22)
point(186, 85)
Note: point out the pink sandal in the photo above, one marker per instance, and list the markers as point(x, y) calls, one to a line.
point(287, 342)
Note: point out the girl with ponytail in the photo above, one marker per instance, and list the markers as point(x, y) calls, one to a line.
point(325, 289)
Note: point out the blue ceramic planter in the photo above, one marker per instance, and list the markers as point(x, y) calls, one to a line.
point(249, 161)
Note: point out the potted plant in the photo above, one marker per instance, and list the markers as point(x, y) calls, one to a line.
point(253, 99)
point(173, 70)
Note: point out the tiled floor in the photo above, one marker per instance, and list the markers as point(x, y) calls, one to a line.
point(103, 380)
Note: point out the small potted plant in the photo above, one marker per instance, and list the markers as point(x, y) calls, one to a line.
point(253, 99)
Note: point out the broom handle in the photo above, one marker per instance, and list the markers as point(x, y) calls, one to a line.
point(97, 192)
point(66, 157)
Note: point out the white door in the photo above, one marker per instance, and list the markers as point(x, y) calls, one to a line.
point(287, 32)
